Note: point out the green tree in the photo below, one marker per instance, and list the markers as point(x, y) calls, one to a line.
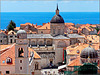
point(10, 27)
point(91, 26)
point(97, 29)
point(13, 24)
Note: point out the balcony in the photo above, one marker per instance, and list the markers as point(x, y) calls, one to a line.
point(42, 48)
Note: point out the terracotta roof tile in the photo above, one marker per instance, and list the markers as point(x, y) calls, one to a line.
point(35, 54)
point(93, 38)
point(4, 46)
point(10, 52)
point(45, 26)
point(17, 28)
point(1, 31)
point(23, 25)
point(10, 32)
point(72, 50)
point(98, 32)
point(69, 24)
point(75, 62)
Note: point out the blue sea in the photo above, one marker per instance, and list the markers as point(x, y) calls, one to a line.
point(44, 17)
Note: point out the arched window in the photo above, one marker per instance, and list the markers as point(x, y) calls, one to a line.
point(36, 66)
point(53, 31)
point(41, 31)
point(20, 52)
point(48, 43)
point(8, 60)
point(61, 44)
point(41, 43)
point(12, 32)
point(33, 43)
point(58, 31)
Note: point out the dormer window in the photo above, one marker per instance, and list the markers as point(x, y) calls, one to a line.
point(8, 60)
point(12, 32)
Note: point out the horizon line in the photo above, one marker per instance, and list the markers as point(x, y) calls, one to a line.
point(66, 11)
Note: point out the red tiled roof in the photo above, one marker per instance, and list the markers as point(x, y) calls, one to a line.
point(75, 62)
point(45, 26)
point(98, 32)
point(10, 52)
point(17, 28)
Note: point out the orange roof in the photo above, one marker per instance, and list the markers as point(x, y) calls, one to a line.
point(4, 46)
point(10, 52)
point(71, 27)
point(35, 54)
point(39, 26)
point(98, 32)
point(22, 25)
point(87, 26)
point(75, 62)
point(10, 32)
point(69, 24)
point(93, 38)
point(26, 24)
point(1, 31)
point(1, 73)
point(45, 26)
point(72, 50)
point(17, 28)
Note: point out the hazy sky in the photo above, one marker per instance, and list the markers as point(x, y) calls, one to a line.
point(49, 6)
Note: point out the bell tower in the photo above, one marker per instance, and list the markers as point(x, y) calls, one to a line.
point(21, 53)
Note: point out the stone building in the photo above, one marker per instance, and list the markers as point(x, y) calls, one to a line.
point(3, 38)
point(50, 46)
point(11, 37)
point(19, 58)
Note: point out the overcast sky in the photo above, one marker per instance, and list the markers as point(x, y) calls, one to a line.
point(49, 6)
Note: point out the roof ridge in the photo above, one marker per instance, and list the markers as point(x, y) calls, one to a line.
point(8, 49)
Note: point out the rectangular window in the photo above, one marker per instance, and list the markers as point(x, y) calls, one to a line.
point(11, 36)
point(20, 68)
point(53, 31)
point(20, 61)
point(15, 40)
point(5, 37)
point(7, 72)
point(1, 41)
point(10, 40)
point(58, 31)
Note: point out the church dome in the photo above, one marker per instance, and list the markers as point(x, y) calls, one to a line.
point(89, 52)
point(21, 31)
point(57, 19)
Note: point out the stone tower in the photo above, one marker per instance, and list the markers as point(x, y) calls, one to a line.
point(57, 24)
point(21, 53)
